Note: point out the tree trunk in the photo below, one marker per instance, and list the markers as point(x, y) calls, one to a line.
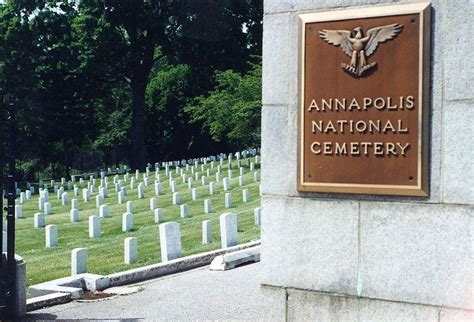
point(137, 157)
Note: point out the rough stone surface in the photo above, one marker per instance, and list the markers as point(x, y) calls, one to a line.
point(321, 236)
point(458, 158)
point(280, 6)
point(450, 315)
point(275, 298)
point(425, 250)
point(312, 306)
point(457, 76)
point(275, 53)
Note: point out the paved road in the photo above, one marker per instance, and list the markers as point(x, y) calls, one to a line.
point(199, 294)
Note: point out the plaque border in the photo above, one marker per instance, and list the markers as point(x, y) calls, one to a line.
point(423, 9)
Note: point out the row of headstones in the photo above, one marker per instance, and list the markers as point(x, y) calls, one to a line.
point(46, 206)
point(127, 218)
point(124, 169)
point(170, 241)
point(104, 185)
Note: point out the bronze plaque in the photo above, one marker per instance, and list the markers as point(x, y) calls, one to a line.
point(364, 100)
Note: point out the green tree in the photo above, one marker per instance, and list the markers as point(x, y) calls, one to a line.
point(231, 112)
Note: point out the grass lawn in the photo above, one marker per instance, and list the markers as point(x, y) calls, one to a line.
point(105, 254)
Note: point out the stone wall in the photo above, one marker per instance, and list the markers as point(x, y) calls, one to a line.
point(350, 257)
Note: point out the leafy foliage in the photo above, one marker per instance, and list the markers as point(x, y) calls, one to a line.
point(104, 82)
point(231, 112)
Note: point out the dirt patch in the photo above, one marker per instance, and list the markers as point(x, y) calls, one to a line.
point(95, 296)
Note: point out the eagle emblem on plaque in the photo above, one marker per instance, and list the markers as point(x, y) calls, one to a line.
point(359, 47)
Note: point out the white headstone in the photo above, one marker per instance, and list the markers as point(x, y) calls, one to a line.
point(94, 227)
point(74, 204)
point(173, 186)
point(141, 191)
point(51, 235)
point(194, 194)
point(98, 201)
point(158, 214)
point(65, 199)
point(127, 222)
point(157, 188)
point(245, 195)
point(18, 211)
point(256, 176)
point(152, 203)
point(170, 241)
point(229, 174)
point(46, 195)
point(22, 198)
point(41, 202)
point(129, 205)
point(207, 206)
point(74, 215)
point(176, 198)
point(130, 250)
point(228, 200)
point(85, 194)
point(5, 241)
point(39, 220)
point(183, 211)
point(241, 181)
point(226, 183)
point(257, 216)
point(206, 232)
point(228, 227)
point(203, 180)
point(121, 197)
point(190, 183)
point(212, 188)
point(78, 261)
point(47, 208)
point(104, 211)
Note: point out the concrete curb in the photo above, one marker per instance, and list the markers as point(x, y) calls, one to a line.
point(232, 260)
point(66, 289)
point(173, 266)
point(47, 300)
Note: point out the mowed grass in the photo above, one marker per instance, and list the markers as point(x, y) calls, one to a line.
point(105, 254)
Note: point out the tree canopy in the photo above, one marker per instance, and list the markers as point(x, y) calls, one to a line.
point(107, 82)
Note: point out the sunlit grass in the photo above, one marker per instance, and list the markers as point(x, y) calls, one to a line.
point(105, 254)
